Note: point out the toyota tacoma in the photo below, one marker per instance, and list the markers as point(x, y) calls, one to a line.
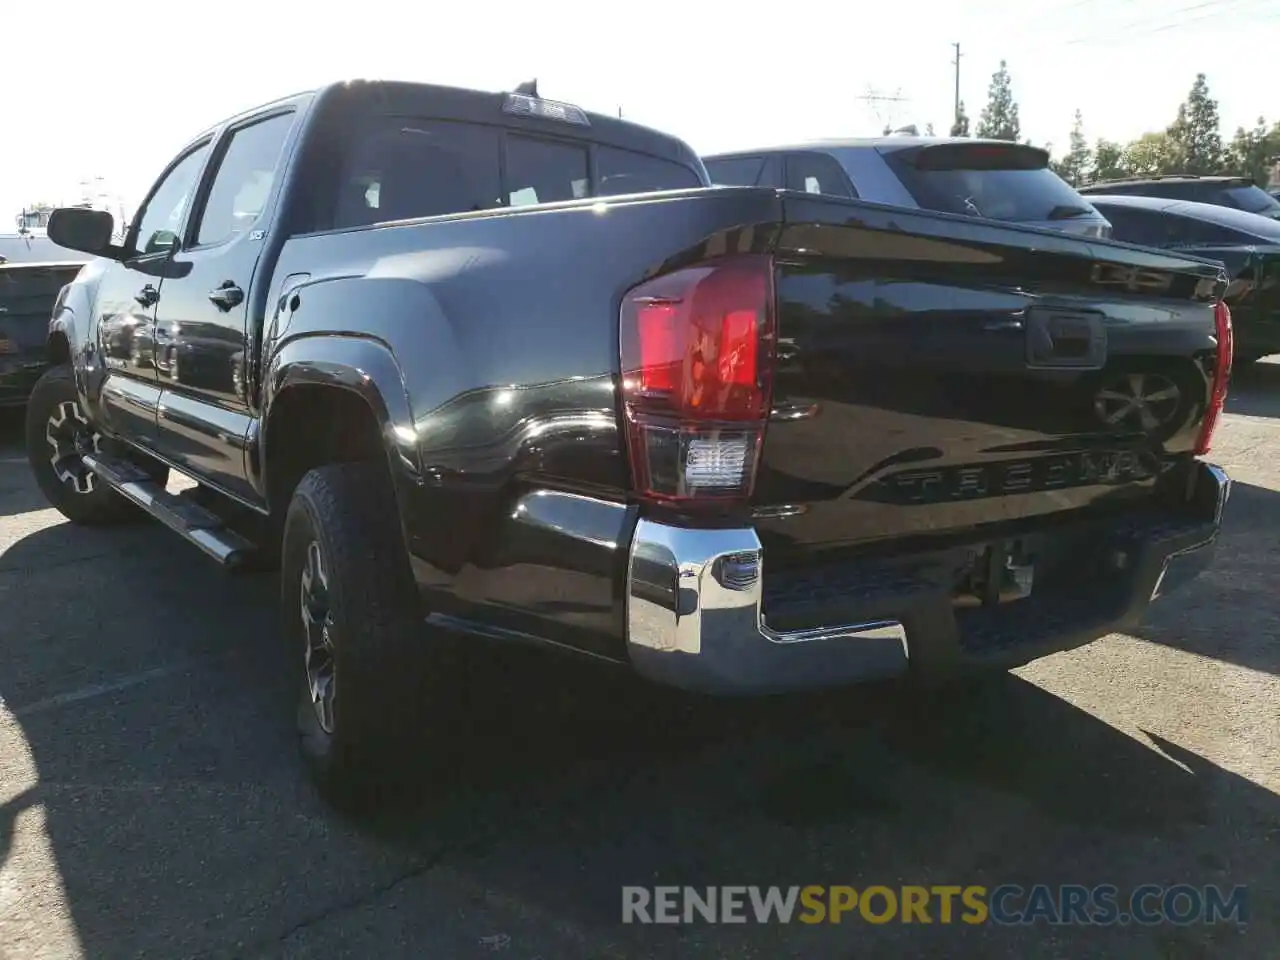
point(471, 364)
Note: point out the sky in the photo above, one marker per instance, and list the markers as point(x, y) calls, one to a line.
point(93, 89)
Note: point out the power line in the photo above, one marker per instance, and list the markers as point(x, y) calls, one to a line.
point(874, 97)
point(1208, 9)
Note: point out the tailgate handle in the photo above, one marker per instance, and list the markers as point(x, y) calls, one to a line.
point(1066, 338)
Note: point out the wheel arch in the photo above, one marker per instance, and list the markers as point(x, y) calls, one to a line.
point(331, 399)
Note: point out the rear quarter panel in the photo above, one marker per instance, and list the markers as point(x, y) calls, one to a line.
point(502, 330)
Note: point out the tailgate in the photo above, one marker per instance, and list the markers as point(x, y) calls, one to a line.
point(27, 296)
point(936, 374)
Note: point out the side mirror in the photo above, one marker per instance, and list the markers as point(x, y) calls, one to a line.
point(88, 231)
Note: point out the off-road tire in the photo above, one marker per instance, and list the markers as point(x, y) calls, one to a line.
point(54, 412)
point(389, 678)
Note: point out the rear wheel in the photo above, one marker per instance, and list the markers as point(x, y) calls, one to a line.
point(369, 681)
point(58, 436)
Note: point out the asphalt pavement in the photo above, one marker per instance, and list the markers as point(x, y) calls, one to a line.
point(152, 805)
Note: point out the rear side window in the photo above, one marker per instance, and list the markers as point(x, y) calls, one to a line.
point(981, 180)
point(735, 171)
point(419, 168)
point(818, 173)
point(1146, 228)
point(1252, 199)
point(622, 171)
point(1201, 231)
point(545, 171)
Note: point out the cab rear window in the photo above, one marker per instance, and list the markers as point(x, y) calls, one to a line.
point(1011, 183)
point(404, 168)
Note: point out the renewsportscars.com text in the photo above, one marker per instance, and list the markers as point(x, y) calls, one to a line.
point(1067, 904)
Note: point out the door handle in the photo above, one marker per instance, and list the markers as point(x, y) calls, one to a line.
point(227, 296)
point(148, 296)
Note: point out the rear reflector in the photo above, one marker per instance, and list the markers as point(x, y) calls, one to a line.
point(1221, 377)
point(697, 370)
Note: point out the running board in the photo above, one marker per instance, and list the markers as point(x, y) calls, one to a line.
point(193, 522)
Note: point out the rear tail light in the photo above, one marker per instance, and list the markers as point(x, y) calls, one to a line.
point(1221, 377)
point(697, 350)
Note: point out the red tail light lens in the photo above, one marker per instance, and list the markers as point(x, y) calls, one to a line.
point(1221, 377)
point(697, 351)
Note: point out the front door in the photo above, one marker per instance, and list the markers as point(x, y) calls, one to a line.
point(201, 319)
point(128, 294)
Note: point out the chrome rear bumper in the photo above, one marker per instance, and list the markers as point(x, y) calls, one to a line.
point(696, 621)
point(695, 612)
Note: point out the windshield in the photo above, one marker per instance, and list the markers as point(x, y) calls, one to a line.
point(1253, 200)
point(1017, 191)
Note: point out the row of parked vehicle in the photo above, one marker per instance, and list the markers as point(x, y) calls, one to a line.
point(1223, 218)
point(483, 366)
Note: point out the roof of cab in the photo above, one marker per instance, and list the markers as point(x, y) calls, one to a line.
point(460, 103)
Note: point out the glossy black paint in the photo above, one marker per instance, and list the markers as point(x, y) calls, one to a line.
point(485, 347)
point(926, 414)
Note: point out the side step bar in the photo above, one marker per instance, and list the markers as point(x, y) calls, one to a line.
point(193, 522)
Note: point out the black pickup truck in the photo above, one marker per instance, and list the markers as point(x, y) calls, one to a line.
point(482, 364)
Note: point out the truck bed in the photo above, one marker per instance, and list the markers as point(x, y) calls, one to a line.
point(905, 404)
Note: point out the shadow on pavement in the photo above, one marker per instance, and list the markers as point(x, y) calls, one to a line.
point(1231, 612)
point(181, 824)
point(1255, 389)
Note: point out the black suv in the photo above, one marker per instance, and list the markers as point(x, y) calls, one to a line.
point(1239, 193)
point(994, 179)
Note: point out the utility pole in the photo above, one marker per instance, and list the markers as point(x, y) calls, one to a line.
point(874, 98)
point(955, 117)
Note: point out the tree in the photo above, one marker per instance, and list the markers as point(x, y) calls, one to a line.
point(960, 127)
point(999, 119)
point(928, 130)
point(1251, 152)
point(1076, 166)
point(1195, 131)
point(1108, 161)
point(1152, 154)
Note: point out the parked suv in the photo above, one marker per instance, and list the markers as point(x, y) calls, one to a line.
point(980, 178)
point(1239, 193)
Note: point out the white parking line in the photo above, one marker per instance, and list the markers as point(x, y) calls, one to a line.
point(101, 689)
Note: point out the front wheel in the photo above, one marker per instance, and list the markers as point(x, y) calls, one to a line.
point(368, 677)
point(58, 436)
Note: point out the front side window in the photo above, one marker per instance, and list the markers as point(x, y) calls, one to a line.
point(160, 224)
point(818, 173)
point(735, 171)
point(244, 180)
